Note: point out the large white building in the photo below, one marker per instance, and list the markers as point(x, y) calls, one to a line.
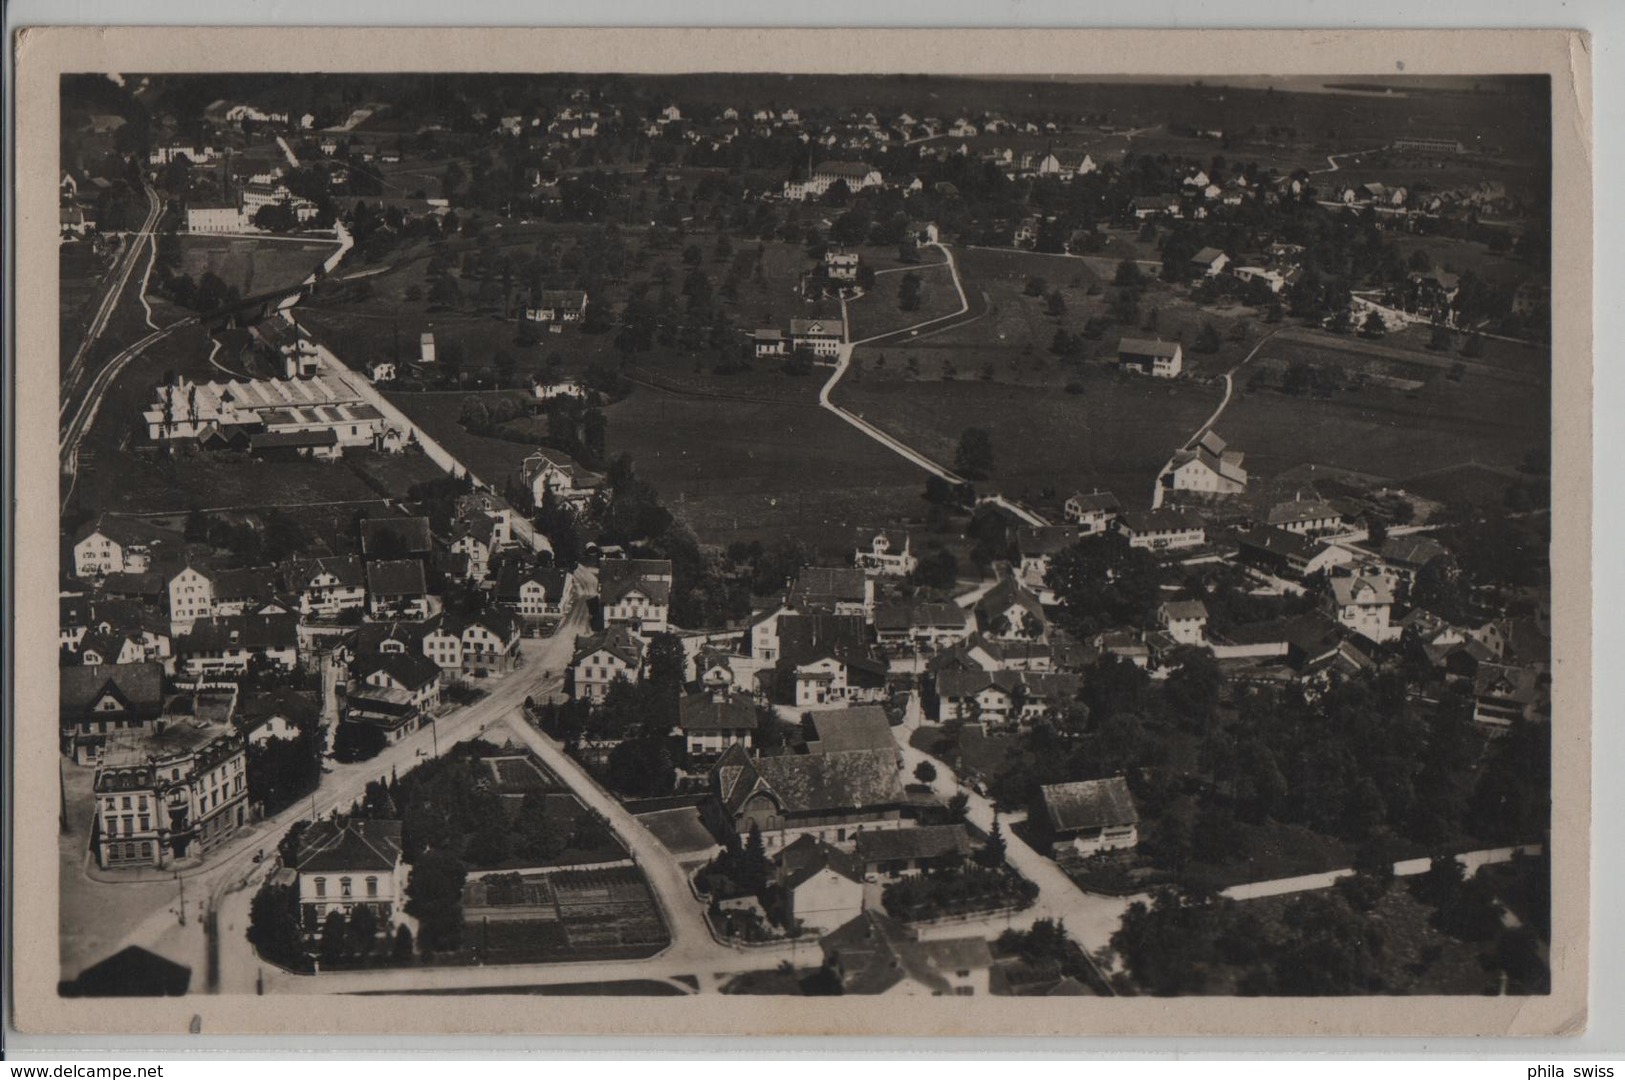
point(174, 792)
point(855, 174)
point(189, 410)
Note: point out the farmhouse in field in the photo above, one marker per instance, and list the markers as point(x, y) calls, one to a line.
point(821, 337)
point(1162, 359)
point(1208, 468)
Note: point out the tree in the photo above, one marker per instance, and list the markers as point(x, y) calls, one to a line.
point(334, 945)
point(402, 951)
point(992, 854)
point(958, 806)
point(1055, 304)
point(434, 891)
point(1440, 338)
point(1373, 327)
point(1128, 274)
point(925, 772)
point(363, 930)
point(1207, 339)
point(908, 293)
point(1474, 348)
point(974, 458)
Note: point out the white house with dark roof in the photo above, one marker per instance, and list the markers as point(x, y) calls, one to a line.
point(1209, 467)
point(1162, 359)
point(1210, 261)
point(821, 337)
point(1092, 513)
point(1184, 620)
point(711, 721)
point(1364, 604)
point(636, 592)
point(1308, 517)
point(601, 658)
point(397, 589)
point(326, 586)
point(884, 554)
point(346, 863)
point(1160, 530)
point(112, 544)
point(831, 797)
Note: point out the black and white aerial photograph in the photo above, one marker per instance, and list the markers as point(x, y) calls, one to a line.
point(648, 535)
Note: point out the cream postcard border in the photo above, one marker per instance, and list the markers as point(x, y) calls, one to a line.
point(44, 53)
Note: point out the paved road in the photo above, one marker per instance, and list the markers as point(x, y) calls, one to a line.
point(1207, 425)
point(231, 876)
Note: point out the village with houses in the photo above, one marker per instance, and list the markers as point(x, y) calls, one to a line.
point(833, 537)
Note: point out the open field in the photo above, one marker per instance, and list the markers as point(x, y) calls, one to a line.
point(877, 311)
point(1389, 433)
point(253, 265)
point(492, 460)
point(1116, 434)
point(742, 470)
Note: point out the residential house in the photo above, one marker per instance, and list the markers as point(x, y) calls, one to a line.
point(922, 625)
point(821, 337)
point(894, 853)
point(884, 554)
point(555, 389)
point(276, 714)
point(613, 653)
point(822, 885)
point(550, 474)
point(490, 640)
point(840, 265)
point(558, 306)
point(1363, 603)
point(1036, 548)
point(1406, 556)
point(825, 660)
point(1308, 517)
point(1184, 620)
point(95, 701)
point(1210, 261)
point(832, 797)
point(1208, 468)
point(229, 644)
point(170, 794)
point(1093, 513)
point(441, 641)
point(1288, 555)
point(1505, 694)
point(536, 594)
point(1087, 817)
point(711, 721)
point(346, 863)
point(874, 954)
point(476, 537)
point(770, 343)
point(386, 709)
point(112, 543)
point(636, 592)
point(856, 175)
point(415, 675)
point(1162, 359)
point(1002, 697)
point(822, 590)
point(326, 586)
point(1153, 206)
point(397, 589)
point(1011, 612)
